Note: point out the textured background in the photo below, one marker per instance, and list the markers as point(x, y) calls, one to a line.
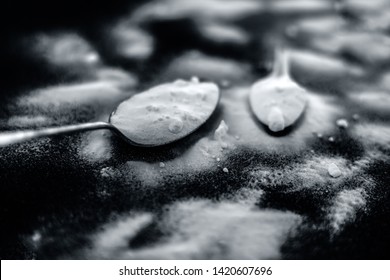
point(90, 195)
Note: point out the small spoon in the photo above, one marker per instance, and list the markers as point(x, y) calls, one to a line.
point(278, 101)
point(158, 116)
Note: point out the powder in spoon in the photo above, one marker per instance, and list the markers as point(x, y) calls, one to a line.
point(277, 102)
point(167, 112)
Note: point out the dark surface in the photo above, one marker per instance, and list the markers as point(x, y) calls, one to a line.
point(54, 189)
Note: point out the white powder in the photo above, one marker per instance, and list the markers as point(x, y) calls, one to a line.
point(345, 206)
point(167, 112)
point(208, 151)
point(372, 134)
point(223, 33)
point(316, 26)
point(116, 77)
point(312, 174)
point(278, 101)
point(194, 63)
point(319, 116)
point(104, 95)
point(95, 146)
point(377, 102)
point(275, 119)
point(345, 41)
point(115, 234)
point(203, 155)
point(334, 170)
point(92, 93)
point(300, 6)
point(130, 42)
point(28, 121)
point(316, 67)
point(220, 134)
point(201, 229)
point(342, 123)
point(36, 237)
point(65, 49)
point(246, 196)
point(197, 10)
point(378, 53)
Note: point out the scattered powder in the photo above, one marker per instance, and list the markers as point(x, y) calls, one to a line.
point(28, 121)
point(321, 69)
point(355, 44)
point(228, 230)
point(334, 171)
point(223, 33)
point(268, 225)
point(36, 237)
point(167, 112)
point(225, 83)
point(300, 6)
point(195, 79)
point(130, 42)
point(65, 50)
point(148, 174)
point(315, 26)
point(201, 10)
point(116, 77)
point(372, 101)
point(372, 134)
point(95, 146)
point(103, 96)
point(355, 117)
point(361, 5)
point(247, 196)
point(374, 15)
point(114, 235)
point(345, 207)
point(194, 63)
point(342, 123)
point(312, 174)
point(201, 229)
point(220, 134)
point(91, 93)
point(319, 135)
point(384, 80)
point(201, 156)
point(107, 172)
point(319, 116)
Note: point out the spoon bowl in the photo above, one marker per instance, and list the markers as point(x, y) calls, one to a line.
point(159, 116)
point(278, 101)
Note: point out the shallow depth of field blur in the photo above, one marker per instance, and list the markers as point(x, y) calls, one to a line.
point(232, 189)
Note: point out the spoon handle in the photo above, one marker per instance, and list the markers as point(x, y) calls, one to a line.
point(13, 137)
point(281, 67)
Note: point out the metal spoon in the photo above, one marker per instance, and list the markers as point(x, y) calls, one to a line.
point(278, 101)
point(174, 110)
